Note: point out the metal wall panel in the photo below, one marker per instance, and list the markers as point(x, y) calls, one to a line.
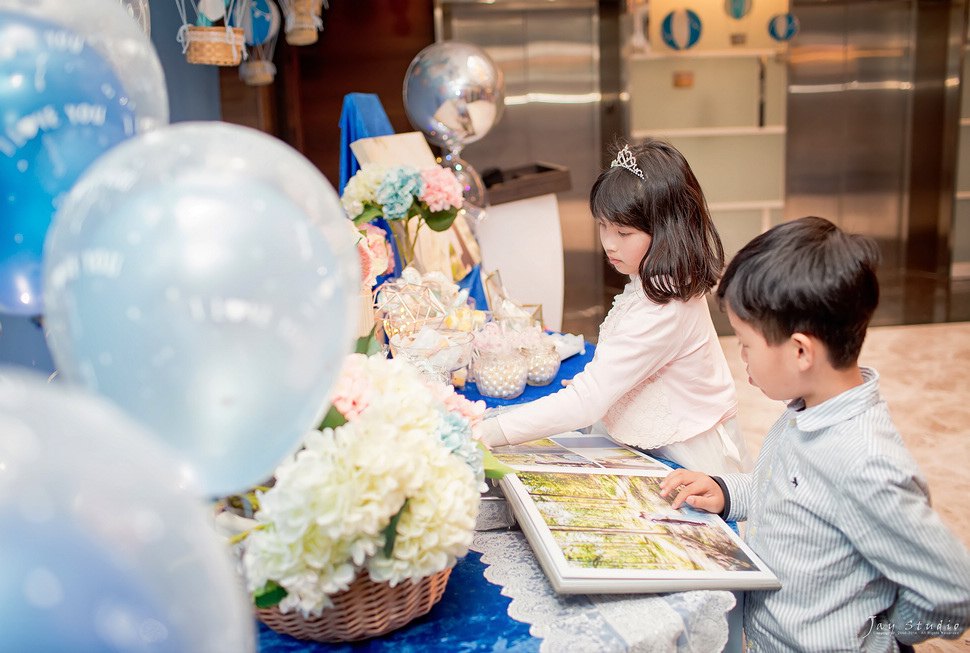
point(849, 116)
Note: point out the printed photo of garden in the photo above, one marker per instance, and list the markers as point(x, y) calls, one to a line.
point(622, 522)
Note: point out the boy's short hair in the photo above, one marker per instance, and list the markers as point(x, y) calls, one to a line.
point(806, 276)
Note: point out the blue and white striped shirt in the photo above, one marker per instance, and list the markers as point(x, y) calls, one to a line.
point(839, 511)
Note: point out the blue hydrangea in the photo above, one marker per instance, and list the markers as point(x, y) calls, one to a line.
point(455, 432)
point(398, 190)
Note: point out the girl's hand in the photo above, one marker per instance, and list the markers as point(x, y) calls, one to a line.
point(489, 433)
point(696, 490)
point(566, 382)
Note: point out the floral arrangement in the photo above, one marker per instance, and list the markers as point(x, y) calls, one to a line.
point(433, 195)
point(391, 489)
point(376, 256)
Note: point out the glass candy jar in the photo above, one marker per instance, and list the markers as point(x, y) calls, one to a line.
point(502, 374)
point(544, 363)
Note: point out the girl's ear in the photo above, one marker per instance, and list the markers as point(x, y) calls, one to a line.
point(805, 349)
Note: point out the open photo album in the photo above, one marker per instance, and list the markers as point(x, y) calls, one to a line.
point(592, 512)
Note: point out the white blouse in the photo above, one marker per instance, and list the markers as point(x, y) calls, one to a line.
point(658, 376)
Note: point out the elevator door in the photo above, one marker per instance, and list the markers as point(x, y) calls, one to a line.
point(871, 124)
point(849, 108)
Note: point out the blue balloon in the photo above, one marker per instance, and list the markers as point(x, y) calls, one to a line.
point(261, 21)
point(61, 106)
point(70, 593)
point(104, 547)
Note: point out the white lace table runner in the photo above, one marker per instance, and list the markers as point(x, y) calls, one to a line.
point(681, 622)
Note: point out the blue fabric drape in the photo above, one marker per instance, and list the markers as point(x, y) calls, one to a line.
point(476, 289)
point(363, 116)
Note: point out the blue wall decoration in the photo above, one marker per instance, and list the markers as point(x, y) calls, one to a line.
point(681, 29)
point(783, 27)
point(737, 8)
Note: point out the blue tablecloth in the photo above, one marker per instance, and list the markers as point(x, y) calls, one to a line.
point(569, 368)
point(471, 616)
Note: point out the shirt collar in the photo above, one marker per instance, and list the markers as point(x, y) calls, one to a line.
point(839, 408)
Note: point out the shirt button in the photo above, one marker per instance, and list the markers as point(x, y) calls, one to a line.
point(768, 477)
point(791, 422)
point(754, 529)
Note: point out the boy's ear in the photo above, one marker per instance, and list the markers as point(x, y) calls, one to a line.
point(806, 349)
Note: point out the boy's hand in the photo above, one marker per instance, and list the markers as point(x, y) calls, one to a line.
point(699, 490)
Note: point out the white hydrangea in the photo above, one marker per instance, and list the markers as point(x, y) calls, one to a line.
point(323, 520)
point(360, 188)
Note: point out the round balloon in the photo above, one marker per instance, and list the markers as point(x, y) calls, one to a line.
point(104, 548)
point(454, 93)
point(140, 13)
point(260, 21)
point(107, 28)
point(473, 192)
point(202, 277)
point(62, 104)
point(212, 10)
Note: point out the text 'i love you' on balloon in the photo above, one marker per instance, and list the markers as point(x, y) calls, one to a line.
point(76, 78)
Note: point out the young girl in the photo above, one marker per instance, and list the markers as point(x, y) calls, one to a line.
point(658, 380)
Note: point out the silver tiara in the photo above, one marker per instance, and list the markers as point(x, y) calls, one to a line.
point(625, 159)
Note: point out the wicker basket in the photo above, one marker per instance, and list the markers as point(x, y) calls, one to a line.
point(302, 22)
point(301, 29)
point(367, 609)
point(216, 46)
point(257, 72)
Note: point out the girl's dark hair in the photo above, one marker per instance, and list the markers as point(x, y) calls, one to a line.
point(685, 257)
point(806, 276)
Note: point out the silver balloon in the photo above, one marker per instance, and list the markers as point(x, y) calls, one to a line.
point(138, 10)
point(454, 93)
point(474, 198)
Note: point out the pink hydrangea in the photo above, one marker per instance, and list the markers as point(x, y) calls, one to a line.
point(376, 257)
point(442, 190)
point(456, 403)
point(352, 394)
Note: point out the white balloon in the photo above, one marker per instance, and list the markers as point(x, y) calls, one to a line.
point(140, 13)
point(103, 546)
point(212, 9)
point(203, 278)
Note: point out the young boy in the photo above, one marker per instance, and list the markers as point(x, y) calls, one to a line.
point(836, 506)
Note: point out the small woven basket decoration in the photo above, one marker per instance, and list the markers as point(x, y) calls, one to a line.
point(303, 21)
point(366, 609)
point(257, 72)
point(216, 46)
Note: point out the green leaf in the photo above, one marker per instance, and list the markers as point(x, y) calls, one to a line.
point(390, 531)
point(494, 468)
point(270, 595)
point(417, 210)
point(332, 420)
point(368, 344)
point(370, 212)
point(441, 220)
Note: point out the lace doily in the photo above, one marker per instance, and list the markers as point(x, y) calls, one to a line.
point(682, 622)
